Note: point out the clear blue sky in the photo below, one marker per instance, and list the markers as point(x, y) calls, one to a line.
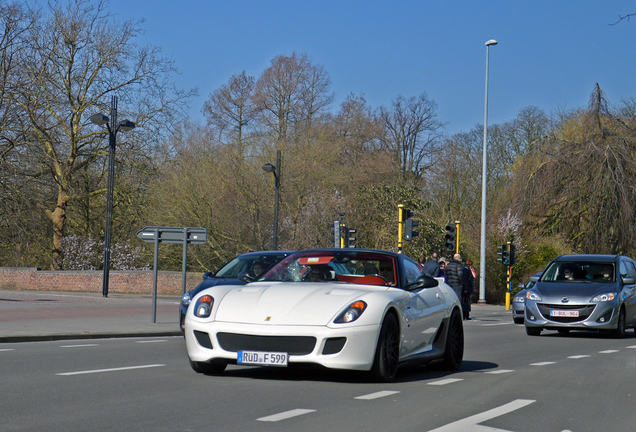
point(550, 53)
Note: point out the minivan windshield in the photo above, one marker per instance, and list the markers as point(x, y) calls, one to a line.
point(579, 271)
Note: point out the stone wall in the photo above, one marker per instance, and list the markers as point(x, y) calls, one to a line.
point(120, 282)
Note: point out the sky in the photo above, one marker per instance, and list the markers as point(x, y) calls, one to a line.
point(550, 53)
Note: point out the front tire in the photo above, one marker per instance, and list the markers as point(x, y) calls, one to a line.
point(619, 333)
point(518, 320)
point(208, 368)
point(533, 331)
point(387, 352)
point(454, 347)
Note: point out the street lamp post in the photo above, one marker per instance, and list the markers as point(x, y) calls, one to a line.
point(482, 261)
point(113, 127)
point(276, 171)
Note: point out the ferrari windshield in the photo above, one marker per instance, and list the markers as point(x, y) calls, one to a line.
point(579, 271)
point(254, 264)
point(371, 268)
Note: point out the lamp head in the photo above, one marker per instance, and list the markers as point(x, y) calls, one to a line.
point(269, 168)
point(99, 119)
point(491, 42)
point(125, 126)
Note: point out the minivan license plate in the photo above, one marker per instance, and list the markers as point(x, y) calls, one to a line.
point(262, 358)
point(564, 313)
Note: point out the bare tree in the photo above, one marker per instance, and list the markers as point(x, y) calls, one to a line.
point(412, 133)
point(75, 58)
point(230, 108)
point(290, 94)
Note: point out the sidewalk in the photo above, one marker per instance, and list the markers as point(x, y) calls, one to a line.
point(48, 315)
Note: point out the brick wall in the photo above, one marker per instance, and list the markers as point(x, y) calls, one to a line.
point(122, 282)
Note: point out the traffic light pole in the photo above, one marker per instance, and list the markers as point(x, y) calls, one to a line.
point(400, 223)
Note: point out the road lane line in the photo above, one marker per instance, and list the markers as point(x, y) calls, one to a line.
point(445, 381)
point(110, 370)
point(497, 324)
point(79, 346)
point(579, 356)
point(631, 347)
point(377, 395)
point(499, 371)
point(8, 349)
point(542, 363)
point(285, 415)
point(151, 341)
point(471, 424)
point(608, 352)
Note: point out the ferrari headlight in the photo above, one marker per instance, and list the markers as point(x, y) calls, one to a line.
point(203, 307)
point(352, 313)
point(604, 297)
point(186, 299)
point(531, 295)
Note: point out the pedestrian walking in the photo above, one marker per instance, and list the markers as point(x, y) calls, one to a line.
point(469, 287)
point(454, 275)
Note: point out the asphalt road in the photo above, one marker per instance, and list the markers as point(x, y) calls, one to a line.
point(508, 382)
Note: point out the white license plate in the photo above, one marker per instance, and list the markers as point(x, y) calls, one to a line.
point(564, 313)
point(262, 358)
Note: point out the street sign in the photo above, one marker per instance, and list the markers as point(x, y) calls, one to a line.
point(173, 234)
point(185, 236)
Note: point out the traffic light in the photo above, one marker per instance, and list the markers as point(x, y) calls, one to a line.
point(511, 257)
point(408, 229)
point(500, 250)
point(336, 234)
point(350, 237)
point(409, 225)
point(451, 237)
point(505, 255)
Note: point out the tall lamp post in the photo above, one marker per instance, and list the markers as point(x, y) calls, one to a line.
point(275, 169)
point(482, 260)
point(113, 127)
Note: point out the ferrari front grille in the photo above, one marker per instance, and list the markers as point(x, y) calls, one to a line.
point(293, 345)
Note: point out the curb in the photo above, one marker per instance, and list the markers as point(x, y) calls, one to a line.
point(58, 337)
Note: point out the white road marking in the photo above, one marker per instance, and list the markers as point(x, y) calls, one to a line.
point(542, 363)
point(579, 356)
point(8, 349)
point(110, 370)
point(286, 415)
point(608, 351)
point(471, 424)
point(446, 381)
point(377, 395)
point(497, 324)
point(499, 371)
point(152, 341)
point(631, 347)
point(79, 346)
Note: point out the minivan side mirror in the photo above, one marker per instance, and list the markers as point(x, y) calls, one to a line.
point(534, 278)
point(628, 280)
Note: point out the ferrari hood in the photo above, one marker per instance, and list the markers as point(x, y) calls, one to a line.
point(288, 303)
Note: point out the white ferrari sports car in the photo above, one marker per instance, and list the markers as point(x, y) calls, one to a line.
point(355, 309)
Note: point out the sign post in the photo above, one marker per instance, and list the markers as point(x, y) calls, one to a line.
point(159, 234)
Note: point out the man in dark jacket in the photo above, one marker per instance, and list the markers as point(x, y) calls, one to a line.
point(454, 274)
point(432, 265)
point(469, 287)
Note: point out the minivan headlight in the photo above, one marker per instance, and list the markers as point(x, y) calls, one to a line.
point(533, 296)
point(604, 297)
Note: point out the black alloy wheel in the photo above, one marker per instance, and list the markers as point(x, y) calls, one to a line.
point(454, 348)
point(385, 364)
